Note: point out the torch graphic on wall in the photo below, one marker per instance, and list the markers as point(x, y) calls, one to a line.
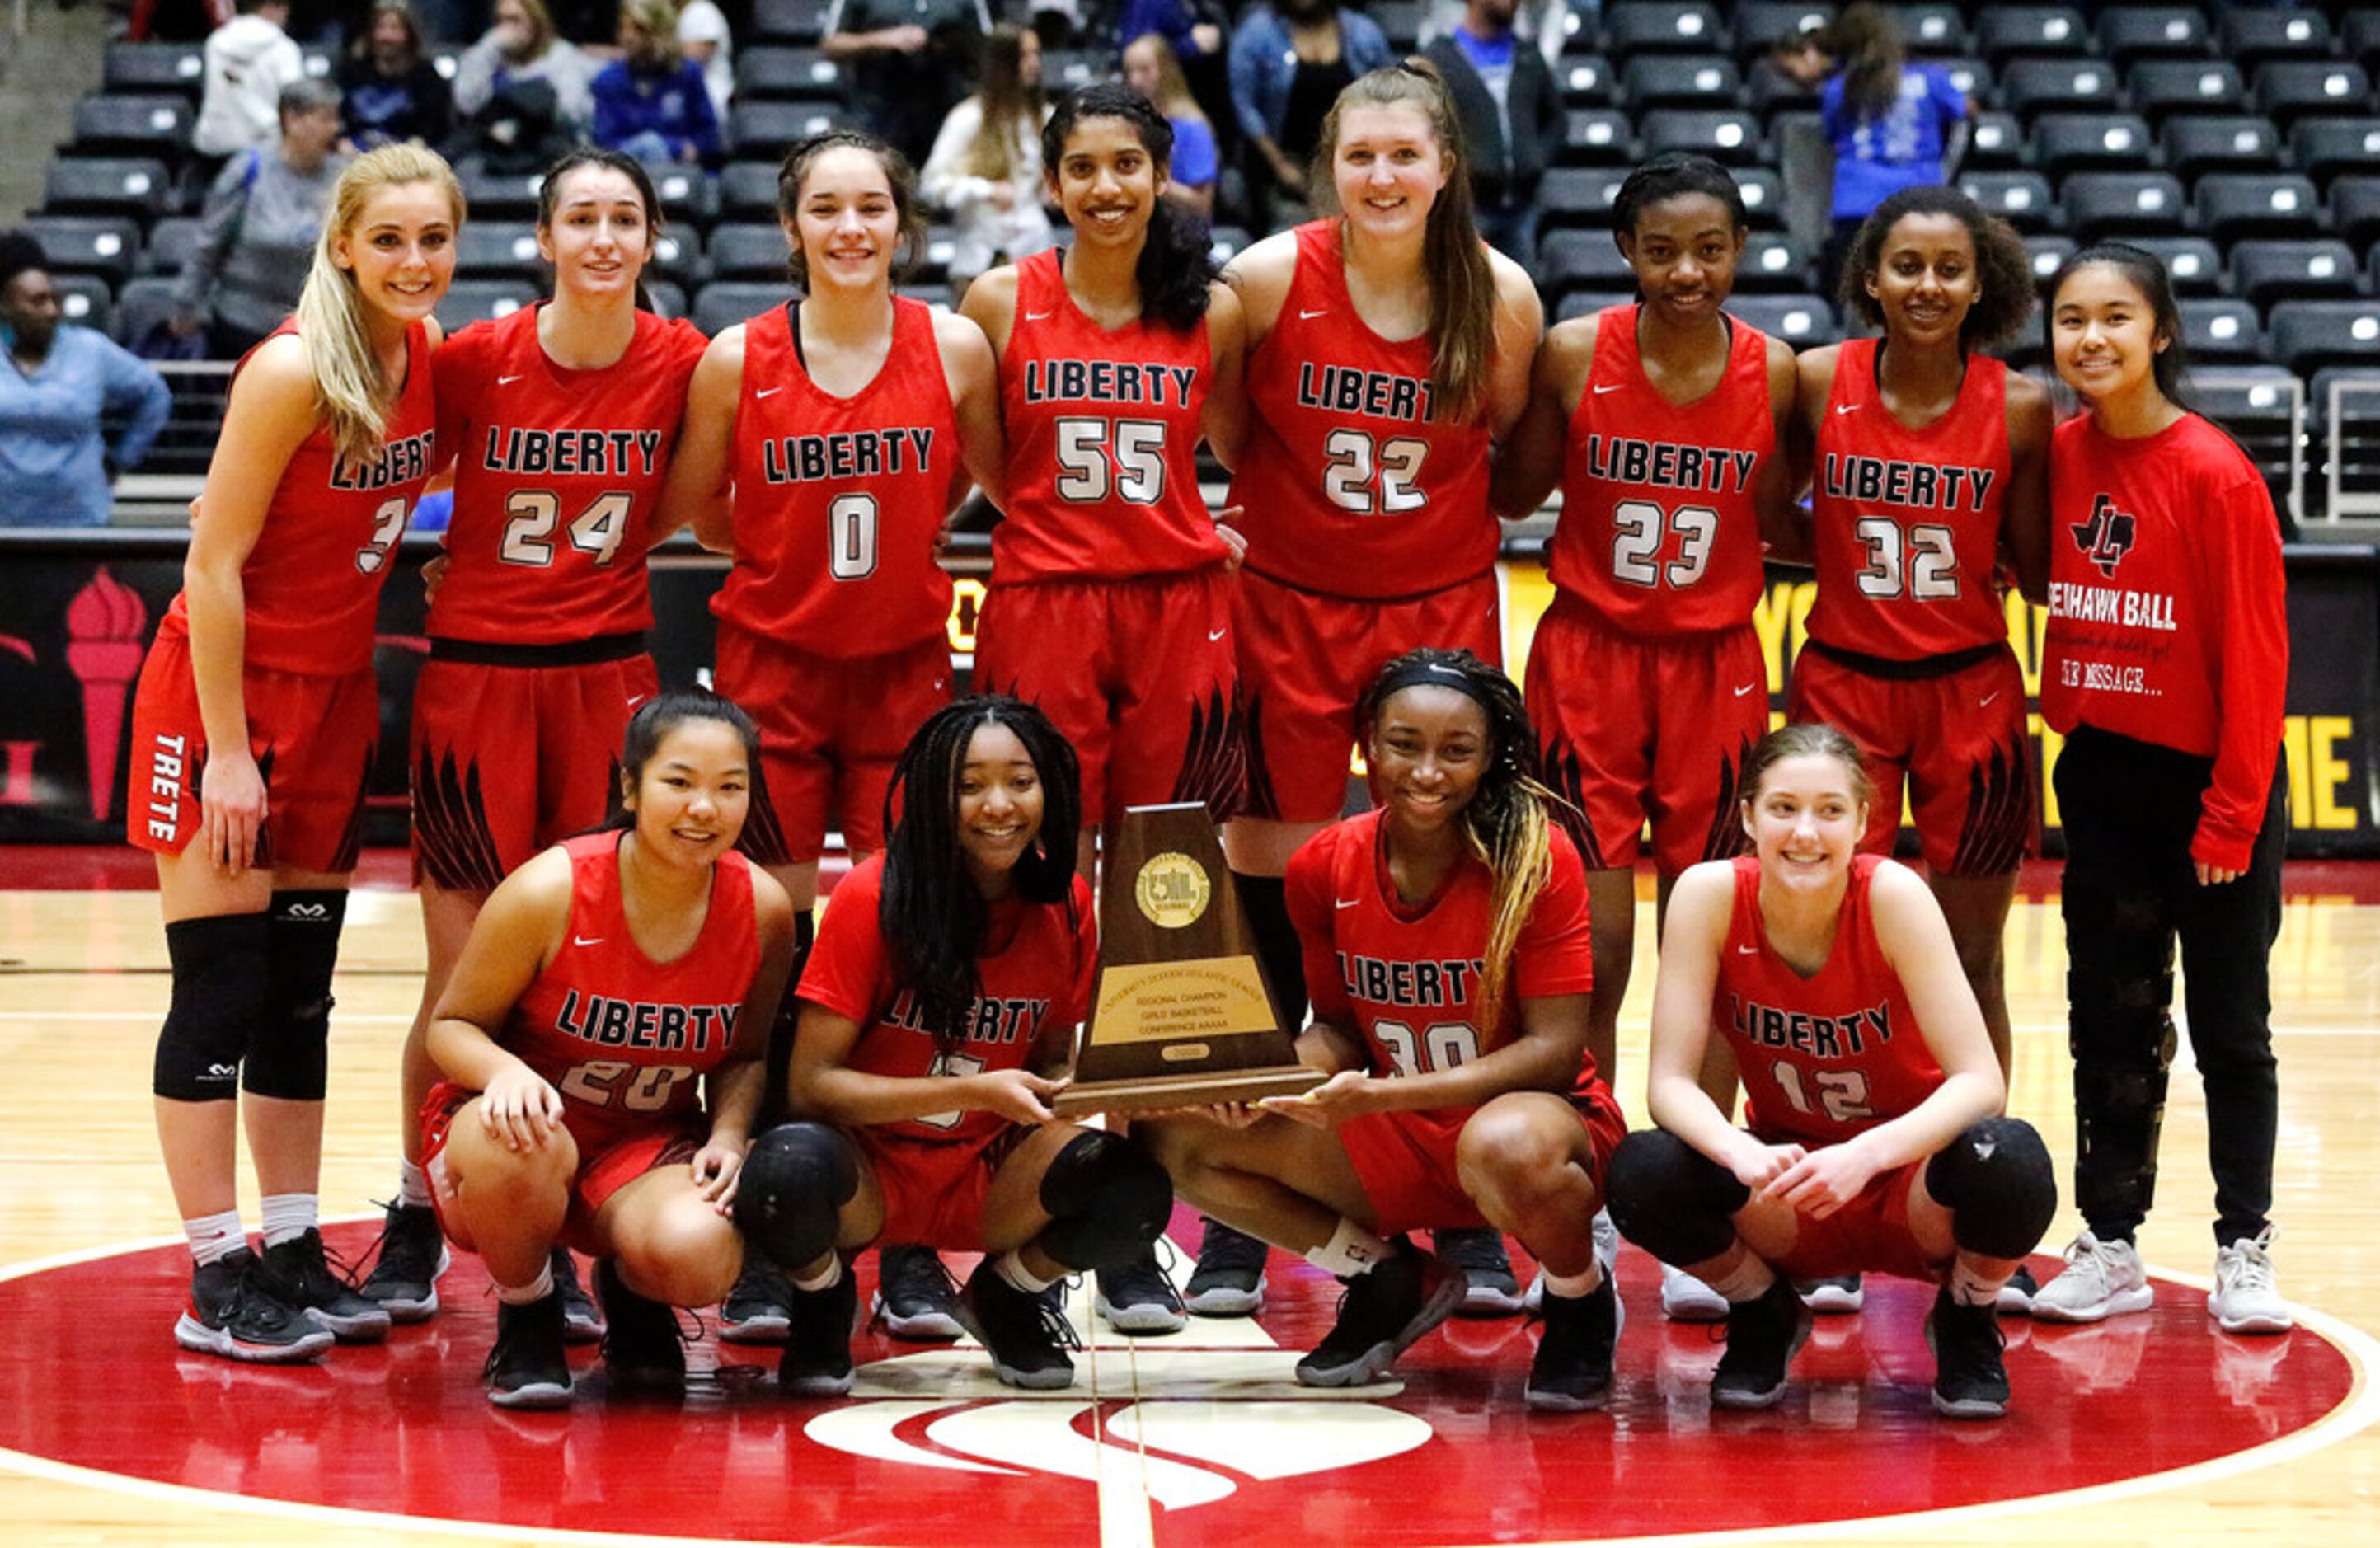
point(103, 648)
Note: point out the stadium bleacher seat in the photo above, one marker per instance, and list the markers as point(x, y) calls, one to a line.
point(1995, 142)
point(2218, 328)
point(1680, 81)
point(1585, 80)
point(2044, 253)
point(774, 70)
point(85, 300)
point(1574, 196)
point(799, 21)
point(498, 196)
point(2229, 205)
point(143, 125)
point(2160, 88)
point(688, 195)
point(142, 306)
point(1934, 30)
point(766, 128)
point(1771, 263)
point(668, 299)
point(2193, 262)
point(721, 305)
point(1401, 20)
point(2117, 203)
point(2264, 409)
point(1971, 76)
point(742, 251)
point(154, 68)
point(494, 250)
point(2358, 36)
point(2288, 90)
point(1761, 26)
point(747, 191)
point(678, 256)
point(127, 186)
point(2195, 143)
point(1728, 136)
point(469, 301)
point(2250, 35)
point(2031, 87)
point(1227, 242)
point(2322, 147)
point(2130, 32)
point(171, 242)
point(1763, 196)
point(1804, 321)
point(1631, 28)
point(1597, 137)
point(2020, 198)
point(1586, 303)
point(2311, 335)
point(2064, 142)
point(2355, 211)
point(2004, 32)
point(1582, 260)
point(2264, 272)
point(104, 246)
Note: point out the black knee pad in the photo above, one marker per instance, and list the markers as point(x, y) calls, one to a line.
point(1670, 1199)
point(1997, 1180)
point(223, 973)
point(290, 1055)
point(1108, 1200)
point(796, 1181)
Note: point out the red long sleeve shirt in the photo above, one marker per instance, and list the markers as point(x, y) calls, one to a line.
point(2169, 619)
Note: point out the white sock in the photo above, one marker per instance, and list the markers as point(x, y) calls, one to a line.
point(1749, 1282)
point(1574, 1287)
point(532, 1293)
point(214, 1237)
point(412, 1185)
point(1351, 1250)
point(288, 1216)
point(1011, 1267)
point(824, 1279)
point(1969, 1288)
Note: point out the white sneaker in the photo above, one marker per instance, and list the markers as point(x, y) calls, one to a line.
point(2101, 1279)
point(1685, 1298)
point(1606, 1242)
point(2244, 1299)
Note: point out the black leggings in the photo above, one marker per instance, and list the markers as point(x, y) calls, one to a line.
point(2129, 809)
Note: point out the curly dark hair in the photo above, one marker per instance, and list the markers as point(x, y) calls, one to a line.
point(934, 919)
point(1177, 260)
point(2002, 264)
point(1672, 176)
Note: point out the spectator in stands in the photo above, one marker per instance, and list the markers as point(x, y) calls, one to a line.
point(1198, 32)
point(55, 461)
point(522, 45)
point(651, 102)
point(1512, 114)
point(704, 38)
point(1289, 63)
point(1153, 69)
point(1894, 125)
point(257, 230)
point(390, 89)
point(248, 60)
point(986, 167)
point(908, 62)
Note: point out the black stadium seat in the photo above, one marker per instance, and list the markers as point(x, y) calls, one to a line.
point(2229, 205)
point(747, 191)
point(1763, 196)
point(2218, 329)
point(1728, 136)
point(2004, 32)
point(2289, 89)
point(777, 71)
point(104, 246)
point(149, 124)
point(1582, 260)
point(2032, 87)
point(2196, 143)
point(2130, 32)
point(1771, 263)
point(1680, 81)
point(2323, 147)
point(2358, 36)
point(2115, 203)
point(1578, 196)
point(155, 67)
point(2160, 88)
point(1597, 137)
point(2311, 335)
point(138, 186)
point(2355, 211)
point(171, 242)
point(496, 249)
point(719, 306)
point(1632, 28)
point(1995, 141)
point(678, 255)
point(1761, 26)
point(469, 301)
point(142, 307)
point(799, 21)
point(2249, 36)
point(766, 128)
point(2293, 269)
point(1804, 321)
point(85, 300)
point(1586, 303)
point(741, 251)
point(2020, 198)
point(499, 195)
point(2064, 142)
point(1934, 30)
point(1584, 81)
point(2193, 262)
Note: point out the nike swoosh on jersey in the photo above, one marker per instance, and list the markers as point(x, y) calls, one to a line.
point(1986, 702)
point(1745, 689)
point(1347, 902)
point(1609, 387)
point(768, 391)
point(582, 941)
point(1305, 316)
point(1846, 409)
point(1214, 634)
point(1037, 317)
point(507, 381)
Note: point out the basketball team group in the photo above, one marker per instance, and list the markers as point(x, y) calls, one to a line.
point(635, 1046)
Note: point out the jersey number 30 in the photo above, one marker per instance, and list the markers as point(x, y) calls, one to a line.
point(1439, 1046)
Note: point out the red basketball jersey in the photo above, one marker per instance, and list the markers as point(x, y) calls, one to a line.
point(838, 500)
point(1660, 531)
point(1822, 1058)
point(1406, 975)
point(1102, 442)
point(311, 583)
point(625, 1039)
point(1349, 486)
point(555, 474)
point(1036, 973)
point(1907, 522)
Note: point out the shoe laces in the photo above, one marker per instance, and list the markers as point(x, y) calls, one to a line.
point(920, 1275)
point(1226, 1248)
point(2088, 1254)
point(1143, 1279)
point(365, 1266)
point(2247, 1263)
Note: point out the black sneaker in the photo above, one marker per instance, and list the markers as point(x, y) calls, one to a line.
point(234, 1311)
point(1572, 1369)
point(2016, 1296)
point(1230, 1278)
point(411, 1254)
point(641, 1348)
point(1382, 1312)
point(1027, 1335)
point(302, 1276)
point(1762, 1336)
point(527, 1369)
point(1140, 1297)
point(759, 1308)
point(1834, 1296)
point(1478, 1254)
point(914, 1295)
point(582, 1320)
point(817, 1362)
point(1969, 1379)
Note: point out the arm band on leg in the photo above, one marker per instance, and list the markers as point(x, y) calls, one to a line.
point(1996, 1181)
point(222, 970)
point(289, 1058)
point(1670, 1199)
point(796, 1181)
point(1108, 1200)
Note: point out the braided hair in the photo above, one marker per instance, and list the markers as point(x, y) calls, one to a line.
point(934, 921)
point(1508, 822)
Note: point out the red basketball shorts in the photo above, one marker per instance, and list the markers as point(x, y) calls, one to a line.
point(312, 737)
point(1637, 730)
point(1869, 1235)
point(507, 760)
point(1305, 658)
point(605, 1165)
point(1958, 739)
point(1405, 1160)
point(934, 1190)
point(831, 728)
point(1138, 675)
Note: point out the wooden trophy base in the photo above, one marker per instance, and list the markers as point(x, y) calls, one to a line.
point(1164, 1091)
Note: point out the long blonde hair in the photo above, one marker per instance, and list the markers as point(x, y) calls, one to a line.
point(1013, 108)
point(1455, 260)
point(350, 390)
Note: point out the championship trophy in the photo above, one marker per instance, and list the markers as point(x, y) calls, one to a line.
point(1181, 1015)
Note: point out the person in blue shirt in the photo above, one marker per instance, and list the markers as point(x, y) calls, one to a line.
point(1893, 124)
point(1289, 61)
point(651, 102)
point(1152, 68)
point(56, 382)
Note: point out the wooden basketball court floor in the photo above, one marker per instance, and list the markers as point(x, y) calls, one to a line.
point(82, 987)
